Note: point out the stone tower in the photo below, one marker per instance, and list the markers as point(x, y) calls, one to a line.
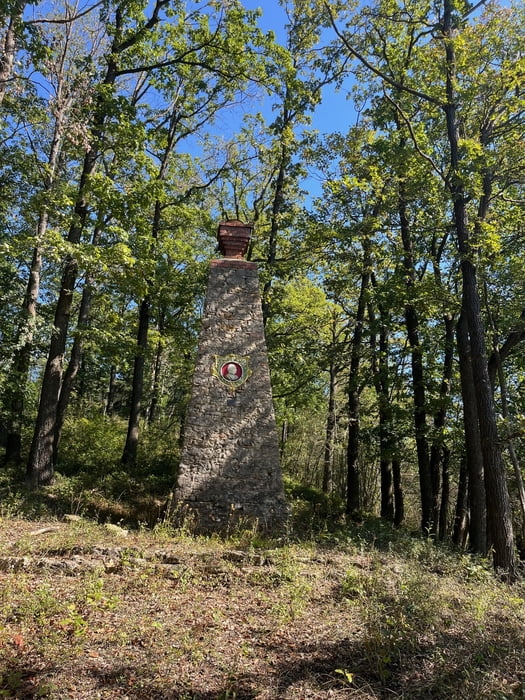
point(229, 469)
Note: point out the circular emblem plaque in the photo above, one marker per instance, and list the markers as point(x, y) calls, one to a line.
point(231, 370)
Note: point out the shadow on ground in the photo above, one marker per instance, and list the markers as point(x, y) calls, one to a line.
point(489, 666)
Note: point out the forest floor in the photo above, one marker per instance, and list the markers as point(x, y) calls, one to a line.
point(87, 612)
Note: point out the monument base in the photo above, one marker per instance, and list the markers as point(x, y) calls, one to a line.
point(205, 517)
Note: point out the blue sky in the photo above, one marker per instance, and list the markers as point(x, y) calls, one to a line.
point(335, 113)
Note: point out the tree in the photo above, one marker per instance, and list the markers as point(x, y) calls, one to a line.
point(138, 44)
point(65, 79)
point(443, 98)
point(40, 463)
point(224, 68)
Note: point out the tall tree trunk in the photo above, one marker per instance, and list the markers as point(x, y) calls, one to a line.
point(40, 463)
point(353, 485)
point(473, 455)
point(428, 524)
point(392, 503)
point(499, 517)
point(509, 442)
point(129, 454)
point(381, 385)
point(445, 493)
point(277, 206)
point(510, 446)
point(284, 438)
point(439, 452)
point(110, 396)
point(22, 361)
point(353, 482)
point(76, 356)
point(73, 366)
point(386, 480)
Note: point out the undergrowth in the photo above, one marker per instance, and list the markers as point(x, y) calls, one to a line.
point(162, 613)
point(329, 608)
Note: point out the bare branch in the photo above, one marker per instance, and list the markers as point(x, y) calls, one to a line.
point(514, 338)
point(65, 20)
point(377, 71)
point(473, 8)
point(425, 156)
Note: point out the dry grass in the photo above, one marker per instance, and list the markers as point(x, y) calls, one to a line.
point(160, 615)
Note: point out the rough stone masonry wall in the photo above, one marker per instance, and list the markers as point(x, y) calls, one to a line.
point(229, 468)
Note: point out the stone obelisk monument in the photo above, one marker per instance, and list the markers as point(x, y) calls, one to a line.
point(229, 470)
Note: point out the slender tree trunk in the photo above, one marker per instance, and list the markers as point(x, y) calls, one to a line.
point(380, 374)
point(353, 482)
point(157, 371)
point(331, 418)
point(399, 502)
point(461, 518)
point(284, 438)
point(75, 360)
point(155, 388)
point(386, 480)
point(473, 454)
point(392, 506)
point(129, 455)
point(277, 206)
point(353, 485)
point(510, 446)
point(110, 396)
point(40, 463)
point(428, 525)
point(439, 452)
point(22, 361)
point(499, 520)
point(445, 494)
point(497, 361)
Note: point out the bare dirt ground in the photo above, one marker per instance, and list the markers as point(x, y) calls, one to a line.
point(90, 613)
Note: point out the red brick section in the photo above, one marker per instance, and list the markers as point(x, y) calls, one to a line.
point(234, 238)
